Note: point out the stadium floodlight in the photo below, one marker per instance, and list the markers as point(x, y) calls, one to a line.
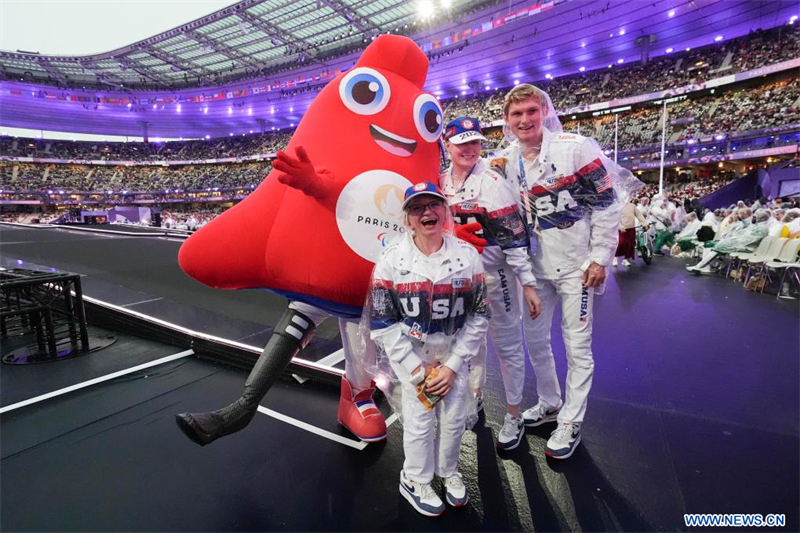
point(687, 49)
point(792, 19)
point(620, 60)
point(671, 13)
point(582, 69)
point(208, 136)
point(425, 8)
point(670, 50)
point(291, 125)
point(548, 76)
point(250, 111)
point(179, 108)
point(205, 110)
point(463, 93)
point(516, 82)
point(488, 87)
point(230, 135)
point(230, 110)
point(583, 45)
point(621, 33)
point(154, 107)
point(718, 38)
point(291, 109)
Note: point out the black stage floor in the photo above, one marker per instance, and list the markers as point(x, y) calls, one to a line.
point(695, 409)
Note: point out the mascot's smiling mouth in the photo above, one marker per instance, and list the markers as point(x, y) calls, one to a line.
point(394, 144)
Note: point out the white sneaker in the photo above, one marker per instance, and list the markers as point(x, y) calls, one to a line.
point(626, 263)
point(614, 262)
point(511, 433)
point(541, 414)
point(563, 441)
point(421, 496)
point(455, 490)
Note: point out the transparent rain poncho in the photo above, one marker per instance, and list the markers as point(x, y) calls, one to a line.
point(747, 237)
point(423, 309)
point(591, 189)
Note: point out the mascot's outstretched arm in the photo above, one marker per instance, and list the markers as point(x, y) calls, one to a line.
point(299, 173)
point(313, 229)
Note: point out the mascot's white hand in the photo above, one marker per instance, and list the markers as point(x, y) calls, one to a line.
point(299, 173)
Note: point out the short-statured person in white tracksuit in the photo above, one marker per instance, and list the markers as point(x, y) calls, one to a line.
point(428, 313)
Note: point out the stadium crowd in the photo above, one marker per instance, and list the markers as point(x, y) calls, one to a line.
point(41, 177)
point(693, 118)
point(255, 144)
point(667, 72)
point(726, 113)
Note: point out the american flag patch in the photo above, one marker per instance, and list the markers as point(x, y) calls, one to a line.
point(367, 408)
point(604, 184)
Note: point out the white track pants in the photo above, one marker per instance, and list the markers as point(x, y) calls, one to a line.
point(576, 328)
point(505, 331)
point(432, 439)
point(357, 358)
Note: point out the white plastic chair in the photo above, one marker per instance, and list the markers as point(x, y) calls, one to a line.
point(786, 261)
point(771, 254)
point(762, 248)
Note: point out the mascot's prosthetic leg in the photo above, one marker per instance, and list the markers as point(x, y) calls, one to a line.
point(290, 336)
point(313, 231)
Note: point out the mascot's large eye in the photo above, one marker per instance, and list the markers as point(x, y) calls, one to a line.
point(428, 117)
point(364, 91)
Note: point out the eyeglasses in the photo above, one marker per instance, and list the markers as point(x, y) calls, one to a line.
point(417, 209)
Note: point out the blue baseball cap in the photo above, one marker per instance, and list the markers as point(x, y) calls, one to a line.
point(424, 188)
point(463, 130)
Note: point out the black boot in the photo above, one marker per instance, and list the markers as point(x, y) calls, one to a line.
point(291, 335)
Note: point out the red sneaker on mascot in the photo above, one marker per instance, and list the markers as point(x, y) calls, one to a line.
point(315, 226)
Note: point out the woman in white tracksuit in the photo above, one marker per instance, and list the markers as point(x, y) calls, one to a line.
point(428, 311)
point(479, 196)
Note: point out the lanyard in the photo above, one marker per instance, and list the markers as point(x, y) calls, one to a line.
point(452, 177)
point(523, 183)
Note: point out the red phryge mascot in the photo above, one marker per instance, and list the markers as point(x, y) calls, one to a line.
point(314, 227)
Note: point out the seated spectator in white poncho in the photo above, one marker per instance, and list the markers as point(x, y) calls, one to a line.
point(686, 239)
point(743, 236)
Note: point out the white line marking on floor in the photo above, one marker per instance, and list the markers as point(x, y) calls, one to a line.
point(357, 444)
point(95, 381)
point(142, 302)
point(333, 359)
point(391, 420)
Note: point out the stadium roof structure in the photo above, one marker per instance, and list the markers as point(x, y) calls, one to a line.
point(479, 51)
point(248, 39)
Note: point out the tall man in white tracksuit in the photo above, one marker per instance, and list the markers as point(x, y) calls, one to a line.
point(573, 213)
